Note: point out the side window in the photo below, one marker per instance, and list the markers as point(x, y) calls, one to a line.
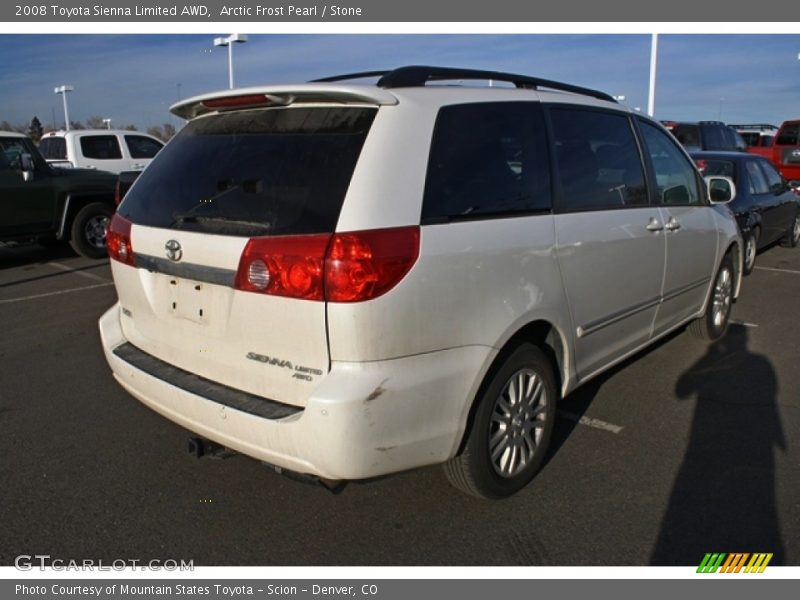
point(142, 147)
point(12, 151)
point(100, 146)
point(676, 180)
point(597, 160)
point(758, 183)
point(487, 159)
point(774, 179)
point(53, 148)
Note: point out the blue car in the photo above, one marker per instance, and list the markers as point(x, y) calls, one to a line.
point(767, 209)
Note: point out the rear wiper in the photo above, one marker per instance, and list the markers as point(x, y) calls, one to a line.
point(190, 217)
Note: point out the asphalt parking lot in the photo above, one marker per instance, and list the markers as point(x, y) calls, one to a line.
point(683, 450)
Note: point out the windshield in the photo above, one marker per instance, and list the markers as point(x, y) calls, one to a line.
point(252, 173)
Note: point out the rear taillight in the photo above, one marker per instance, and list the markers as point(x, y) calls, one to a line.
point(284, 266)
point(342, 267)
point(118, 240)
point(366, 264)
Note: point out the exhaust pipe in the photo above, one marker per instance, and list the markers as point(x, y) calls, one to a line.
point(334, 486)
point(202, 448)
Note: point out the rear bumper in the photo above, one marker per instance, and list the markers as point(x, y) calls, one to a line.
point(364, 419)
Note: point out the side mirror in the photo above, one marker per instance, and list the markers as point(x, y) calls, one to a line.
point(721, 190)
point(26, 162)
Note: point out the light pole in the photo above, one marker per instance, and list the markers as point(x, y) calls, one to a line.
point(651, 98)
point(234, 38)
point(108, 123)
point(63, 89)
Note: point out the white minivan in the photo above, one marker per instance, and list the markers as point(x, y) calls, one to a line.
point(102, 149)
point(345, 280)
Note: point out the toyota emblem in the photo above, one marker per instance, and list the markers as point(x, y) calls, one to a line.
point(174, 250)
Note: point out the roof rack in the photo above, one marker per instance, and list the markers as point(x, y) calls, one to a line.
point(418, 76)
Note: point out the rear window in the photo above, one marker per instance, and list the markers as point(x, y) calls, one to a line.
point(717, 168)
point(717, 138)
point(142, 147)
point(102, 147)
point(788, 135)
point(54, 148)
point(253, 173)
point(688, 136)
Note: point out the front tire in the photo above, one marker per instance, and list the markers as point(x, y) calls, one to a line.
point(88, 231)
point(750, 251)
point(512, 427)
point(714, 322)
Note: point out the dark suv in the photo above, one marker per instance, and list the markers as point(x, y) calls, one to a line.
point(38, 201)
point(707, 135)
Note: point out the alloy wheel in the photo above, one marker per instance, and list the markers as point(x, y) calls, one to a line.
point(517, 422)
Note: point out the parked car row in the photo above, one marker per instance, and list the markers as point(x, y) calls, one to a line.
point(461, 259)
point(65, 190)
point(102, 149)
point(52, 205)
point(766, 207)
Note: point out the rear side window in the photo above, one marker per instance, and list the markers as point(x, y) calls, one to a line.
point(774, 179)
point(53, 148)
point(758, 183)
point(788, 135)
point(253, 173)
point(103, 147)
point(142, 147)
point(597, 160)
point(487, 159)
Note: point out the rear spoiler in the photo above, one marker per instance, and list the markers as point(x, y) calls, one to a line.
point(281, 96)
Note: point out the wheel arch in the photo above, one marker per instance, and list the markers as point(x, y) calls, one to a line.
point(73, 203)
point(540, 332)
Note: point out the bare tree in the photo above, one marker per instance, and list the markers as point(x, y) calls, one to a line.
point(95, 122)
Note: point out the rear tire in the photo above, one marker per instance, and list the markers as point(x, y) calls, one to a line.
point(792, 237)
point(89, 230)
point(714, 322)
point(512, 427)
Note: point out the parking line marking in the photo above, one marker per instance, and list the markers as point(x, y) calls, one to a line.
point(590, 422)
point(68, 269)
point(59, 292)
point(778, 270)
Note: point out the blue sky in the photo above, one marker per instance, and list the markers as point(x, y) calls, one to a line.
point(134, 78)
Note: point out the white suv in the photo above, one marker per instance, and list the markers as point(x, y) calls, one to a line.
point(103, 149)
point(345, 280)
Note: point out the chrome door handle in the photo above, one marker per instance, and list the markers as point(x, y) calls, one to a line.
point(673, 224)
point(654, 225)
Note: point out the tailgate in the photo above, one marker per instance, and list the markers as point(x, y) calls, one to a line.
point(227, 182)
point(188, 314)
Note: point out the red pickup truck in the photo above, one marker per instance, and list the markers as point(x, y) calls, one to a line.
point(784, 151)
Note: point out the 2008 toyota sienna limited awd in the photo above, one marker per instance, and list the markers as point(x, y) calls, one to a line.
point(346, 280)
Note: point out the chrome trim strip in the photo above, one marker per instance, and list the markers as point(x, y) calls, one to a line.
point(185, 270)
point(686, 288)
point(60, 234)
point(588, 328)
point(584, 330)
